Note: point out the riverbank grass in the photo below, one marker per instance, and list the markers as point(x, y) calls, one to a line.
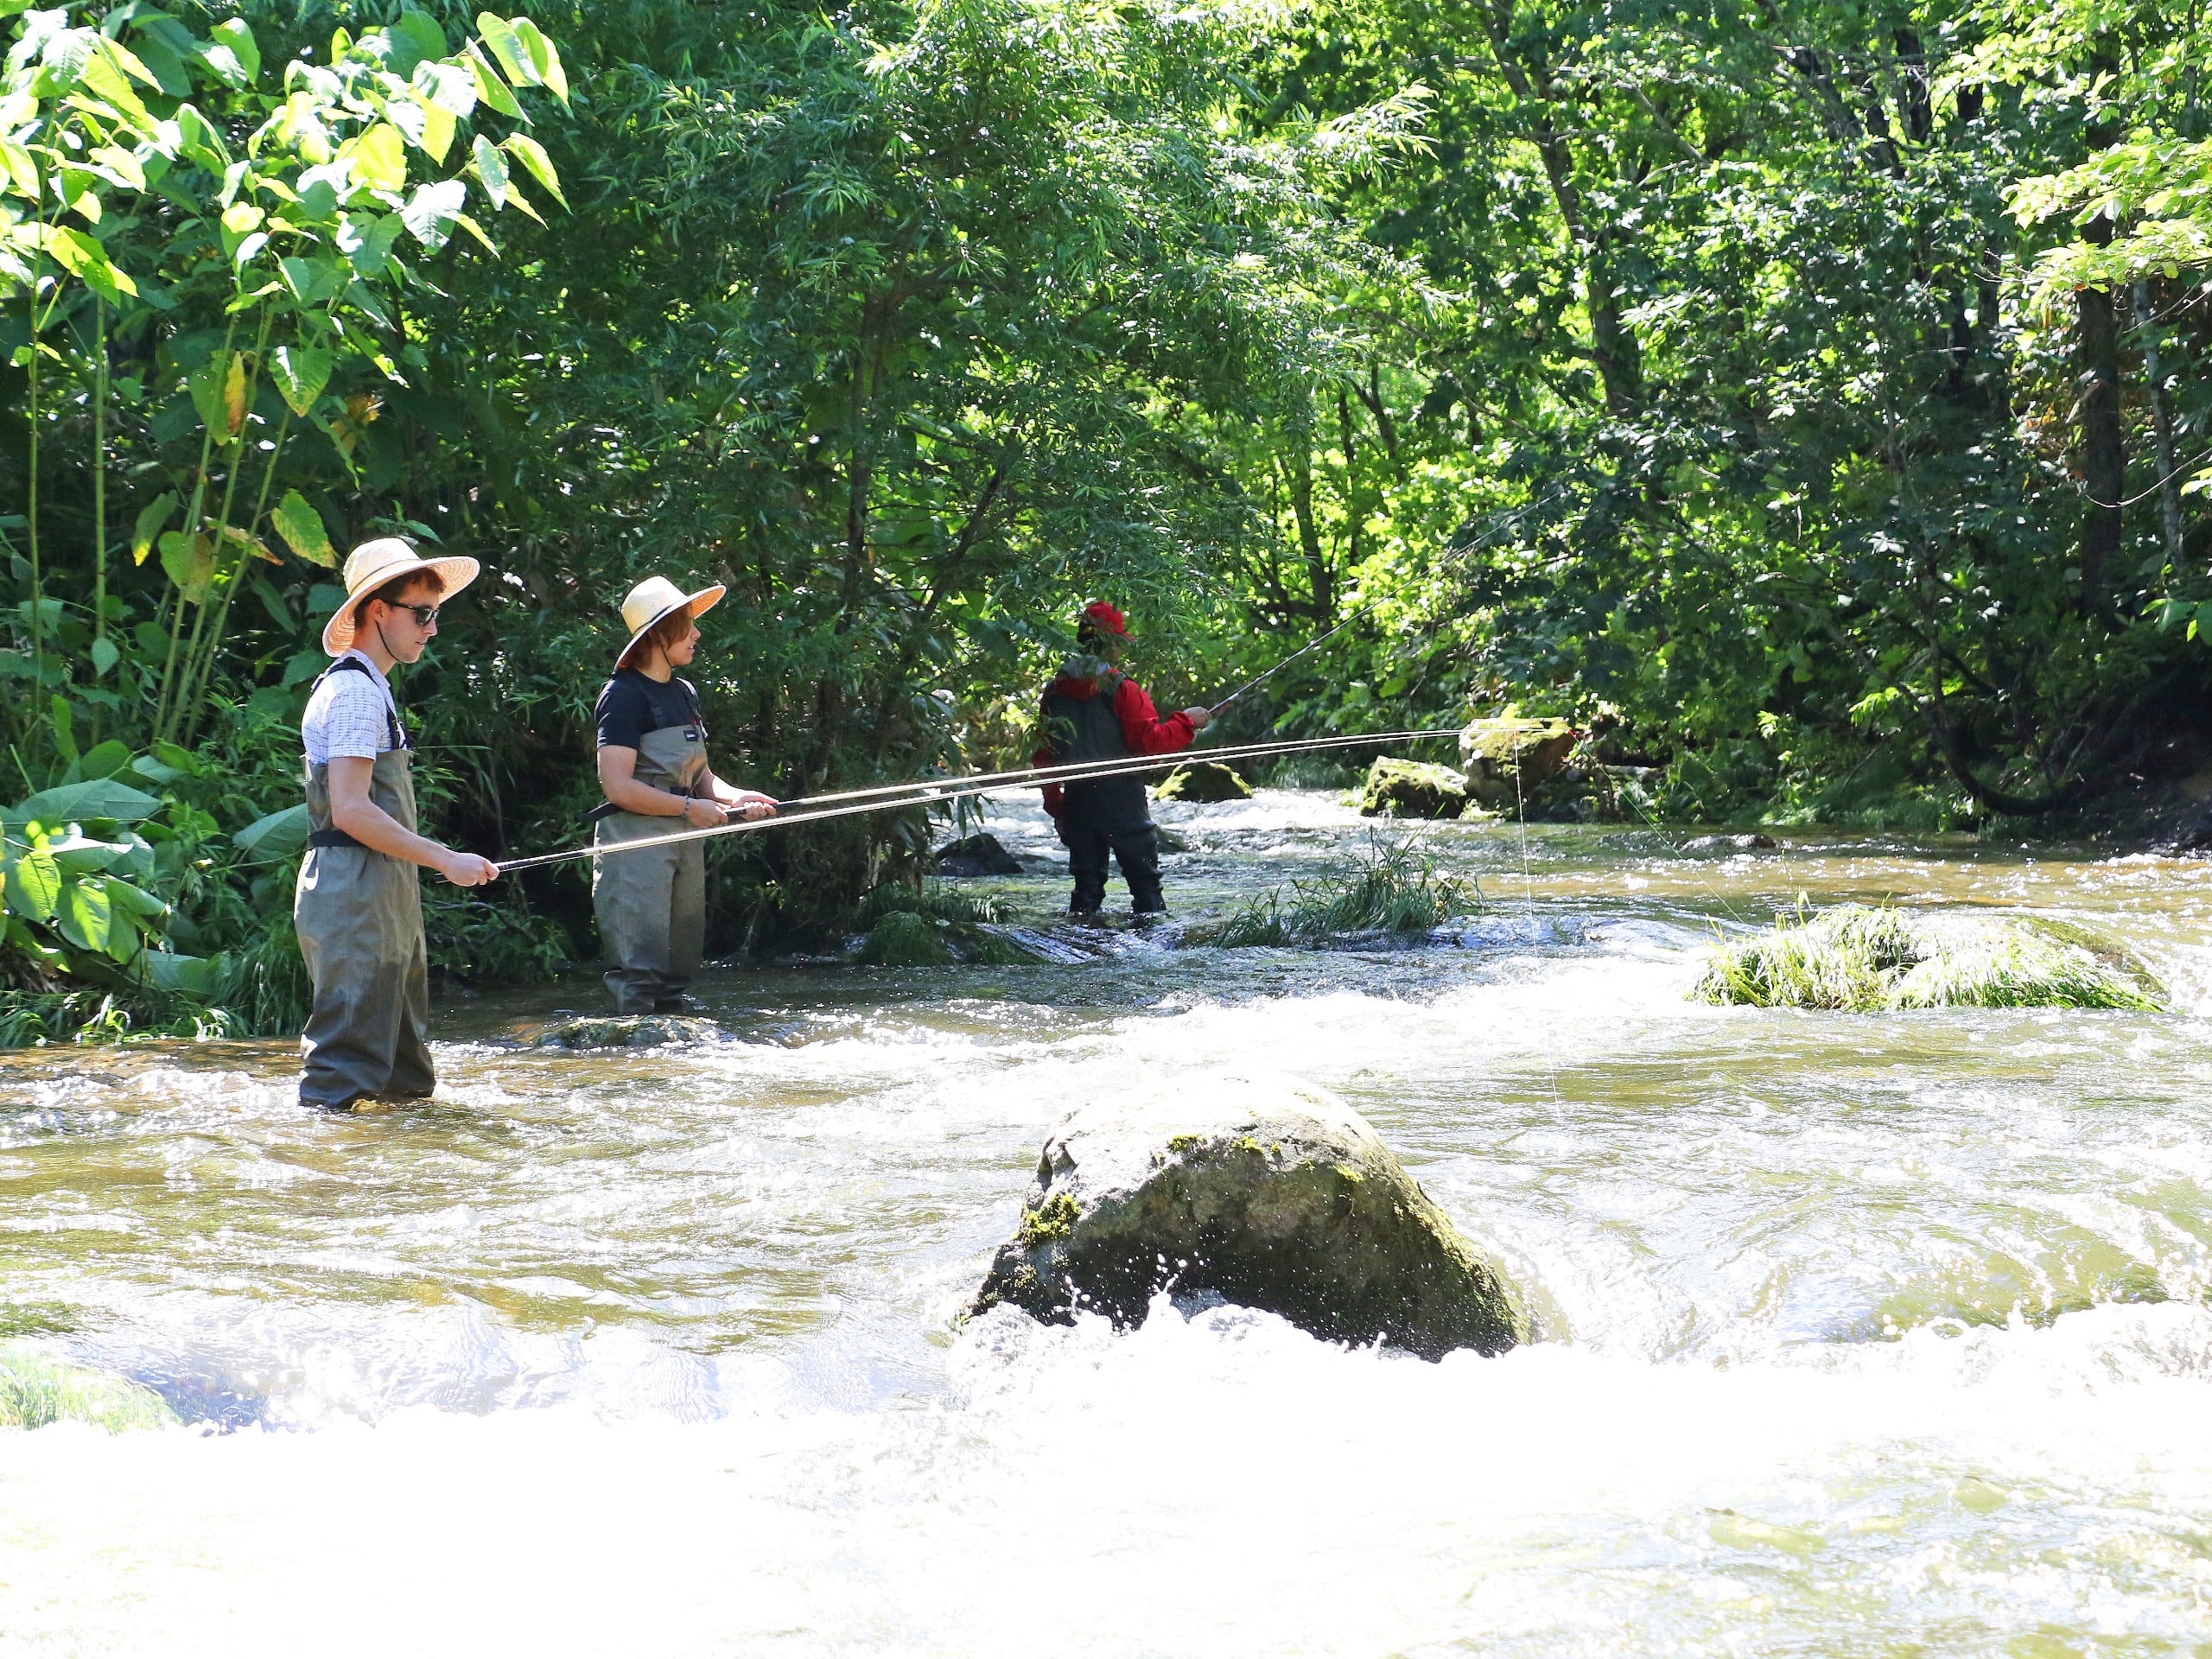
point(1395, 889)
point(1864, 959)
point(38, 1388)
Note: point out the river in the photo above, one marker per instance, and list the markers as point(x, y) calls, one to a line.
point(1864, 1334)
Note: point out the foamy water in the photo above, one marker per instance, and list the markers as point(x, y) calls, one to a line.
point(1863, 1333)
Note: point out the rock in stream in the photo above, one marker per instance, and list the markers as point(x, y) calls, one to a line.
point(1270, 1194)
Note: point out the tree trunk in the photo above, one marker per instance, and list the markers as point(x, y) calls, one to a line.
point(2104, 459)
point(2162, 432)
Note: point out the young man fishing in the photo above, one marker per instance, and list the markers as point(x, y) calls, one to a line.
point(1093, 712)
point(652, 904)
point(359, 905)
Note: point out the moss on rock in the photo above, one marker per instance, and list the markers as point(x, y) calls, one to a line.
point(1860, 958)
point(1204, 782)
point(38, 1388)
point(1412, 789)
point(1267, 1193)
point(1509, 760)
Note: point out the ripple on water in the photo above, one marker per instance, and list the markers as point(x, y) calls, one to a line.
point(1873, 1332)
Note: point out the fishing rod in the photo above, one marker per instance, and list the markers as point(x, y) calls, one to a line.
point(980, 784)
point(1288, 660)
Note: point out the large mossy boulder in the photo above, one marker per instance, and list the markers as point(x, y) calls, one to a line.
point(1203, 783)
point(1859, 958)
point(1412, 789)
point(1511, 760)
point(1267, 1193)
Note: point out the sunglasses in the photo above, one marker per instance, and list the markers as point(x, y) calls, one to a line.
point(425, 615)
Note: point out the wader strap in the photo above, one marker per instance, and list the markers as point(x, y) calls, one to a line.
point(394, 736)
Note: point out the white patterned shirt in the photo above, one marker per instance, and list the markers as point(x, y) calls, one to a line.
point(345, 716)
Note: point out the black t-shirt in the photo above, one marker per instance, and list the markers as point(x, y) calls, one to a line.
point(632, 704)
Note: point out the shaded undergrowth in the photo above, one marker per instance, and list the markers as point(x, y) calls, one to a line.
point(1393, 889)
point(1862, 958)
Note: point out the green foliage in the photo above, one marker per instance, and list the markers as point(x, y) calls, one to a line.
point(37, 1387)
point(1862, 959)
point(1393, 889)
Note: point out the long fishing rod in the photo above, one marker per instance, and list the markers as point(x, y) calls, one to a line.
point(983, 783)
point(1311, 645)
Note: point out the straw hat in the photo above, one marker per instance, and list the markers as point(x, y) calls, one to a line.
point(371, 564)
point(654, 601)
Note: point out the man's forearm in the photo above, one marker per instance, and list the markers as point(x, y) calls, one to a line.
point(380, 832)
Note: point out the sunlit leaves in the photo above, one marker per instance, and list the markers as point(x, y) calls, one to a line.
point(301, 372)
point(300, 526)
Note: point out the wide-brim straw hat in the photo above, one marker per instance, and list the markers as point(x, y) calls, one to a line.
point(372, 564)
point(656, 599)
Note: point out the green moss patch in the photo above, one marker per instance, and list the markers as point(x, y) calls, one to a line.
point(1860, 958)
point(37, 1387)
point(1412, 789)
point(933, 928)
point(1204, 782)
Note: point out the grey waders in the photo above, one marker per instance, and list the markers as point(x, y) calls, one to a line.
point(360, 917)
point(651, 906)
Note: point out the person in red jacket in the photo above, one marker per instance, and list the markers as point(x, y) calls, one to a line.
point(1094, 712)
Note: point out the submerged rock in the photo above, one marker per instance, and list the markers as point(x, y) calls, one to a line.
point(627, 1031)
point(1860, 959)
point(1728, 844)
point(981, 855)
point(1168, 841)
point(1204, 782)
point(1511, 760)
point(1412, 789)
point(1270, 1195)
point(38, 1388)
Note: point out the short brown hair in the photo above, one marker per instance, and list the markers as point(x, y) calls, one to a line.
point(390, 592)
point(662, 634)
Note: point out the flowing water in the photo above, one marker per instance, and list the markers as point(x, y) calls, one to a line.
point(1864, 1334)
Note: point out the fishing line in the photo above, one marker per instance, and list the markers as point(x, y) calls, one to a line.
point(890, 796)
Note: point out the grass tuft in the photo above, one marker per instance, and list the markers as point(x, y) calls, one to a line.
point(1860, 958)
point(1391, 890)
point(37, 1387)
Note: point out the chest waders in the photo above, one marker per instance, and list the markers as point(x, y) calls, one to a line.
point(358, 914)
point(651, 906)
point(1110, 814)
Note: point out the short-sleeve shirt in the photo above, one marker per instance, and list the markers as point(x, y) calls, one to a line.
point(632, 704)
point(347, 715)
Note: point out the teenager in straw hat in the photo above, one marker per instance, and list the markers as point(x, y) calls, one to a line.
point(358, 907)
point(652, 904)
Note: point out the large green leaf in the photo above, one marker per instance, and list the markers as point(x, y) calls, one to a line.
point(101, 798)
point(301, 372)
point(80, 854)
point(190, 562)
point(276, 836)
point(300, 526)
point(192, 975)
point(87, 916)
point(533, 156)
point(126, 895)
point(33, 886)
point(151, 517)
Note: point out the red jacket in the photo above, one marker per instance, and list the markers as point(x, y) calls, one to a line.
point(1142, 728)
